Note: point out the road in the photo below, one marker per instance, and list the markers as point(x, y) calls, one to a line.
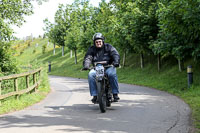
point(68, 109)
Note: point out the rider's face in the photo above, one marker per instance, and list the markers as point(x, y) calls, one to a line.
point(99, 43)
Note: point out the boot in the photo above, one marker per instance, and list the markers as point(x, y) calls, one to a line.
point(94, 99)
point(116, 98)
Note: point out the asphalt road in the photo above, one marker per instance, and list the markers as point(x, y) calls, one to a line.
point(68, 109)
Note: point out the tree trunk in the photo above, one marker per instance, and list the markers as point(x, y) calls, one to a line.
point(54, 49)
point(159, 62)
point(62, 50)
point(142, 60)
point(71, 54)
point(124, 58)
point(75, 57)
point(180, 65)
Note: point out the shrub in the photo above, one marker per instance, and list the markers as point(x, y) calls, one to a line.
point(44, 48)
point(8, 63)
point(34, 51)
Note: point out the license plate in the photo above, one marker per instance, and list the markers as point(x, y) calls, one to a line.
point(99, 71)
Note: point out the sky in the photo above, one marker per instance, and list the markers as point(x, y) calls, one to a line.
point(34, 23)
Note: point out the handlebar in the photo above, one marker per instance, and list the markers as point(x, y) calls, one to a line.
point(101, 62)
point(104, 63)
point(105, 66)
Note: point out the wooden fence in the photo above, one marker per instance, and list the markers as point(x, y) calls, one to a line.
point(17, 91)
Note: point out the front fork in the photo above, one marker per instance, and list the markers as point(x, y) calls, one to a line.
point(103, 87)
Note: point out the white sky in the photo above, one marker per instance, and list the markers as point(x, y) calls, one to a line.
point(34, 23)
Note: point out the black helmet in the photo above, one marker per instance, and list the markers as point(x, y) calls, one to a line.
point(98, 36)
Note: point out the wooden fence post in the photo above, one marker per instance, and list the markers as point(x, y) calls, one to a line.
point(39, 74)
point(34, 80)
point(27, 82)
point(16, 87)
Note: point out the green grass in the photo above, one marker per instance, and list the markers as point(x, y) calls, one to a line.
point(169, 79)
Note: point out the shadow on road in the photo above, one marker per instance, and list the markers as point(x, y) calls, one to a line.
point(78, 117)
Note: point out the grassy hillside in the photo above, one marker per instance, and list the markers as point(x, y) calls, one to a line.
point(168, 79)
point(26, 61)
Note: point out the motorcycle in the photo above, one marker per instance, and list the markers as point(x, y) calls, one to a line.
point(104, 92)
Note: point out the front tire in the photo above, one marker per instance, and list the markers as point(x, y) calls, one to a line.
point(101, 96)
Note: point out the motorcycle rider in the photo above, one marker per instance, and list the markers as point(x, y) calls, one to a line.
point(101, 51)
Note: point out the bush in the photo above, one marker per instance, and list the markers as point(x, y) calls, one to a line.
point(8, 63)
point(21, 52)
point(44, 47)
point(29, 43)
point(34, 51)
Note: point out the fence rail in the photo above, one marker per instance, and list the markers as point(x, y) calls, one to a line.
point(17, 92)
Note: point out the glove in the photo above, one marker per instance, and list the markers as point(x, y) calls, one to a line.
point(85, 68)
point(116, 64)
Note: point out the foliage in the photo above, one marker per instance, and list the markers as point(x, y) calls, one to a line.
point(87, 23)
point(44, 48)
point(72, 38)
point(61, 26)
point(179, 32)
point(143, 25)
point(34, 51)
point(12, 13)
point(8, 64)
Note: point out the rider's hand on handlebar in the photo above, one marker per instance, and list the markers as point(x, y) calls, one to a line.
point(116, 64)
point(84, 69)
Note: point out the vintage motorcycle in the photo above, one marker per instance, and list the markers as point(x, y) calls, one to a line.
point(104, 97)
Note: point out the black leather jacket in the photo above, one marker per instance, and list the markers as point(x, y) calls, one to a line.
point(106, 53)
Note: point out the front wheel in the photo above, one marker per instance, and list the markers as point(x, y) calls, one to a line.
point(101, 96)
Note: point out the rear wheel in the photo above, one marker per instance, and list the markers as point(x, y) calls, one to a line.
point(101, 96)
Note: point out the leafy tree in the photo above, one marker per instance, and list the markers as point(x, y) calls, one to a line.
point(49, 32)
point(119, 28)
point(102, 21)
point(87, 23)
point(12, 13)
point(179, 22)
point(141, 26)
point(8, 64)
point(61, 25)
point(74, 31)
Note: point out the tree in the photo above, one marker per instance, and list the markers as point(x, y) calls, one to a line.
point(12, 13)
point(119, 28)
point(61, 25)
point(74, 31)
point(87, 19)
point(141, 26)
point(179, 22)
point(51, 32)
